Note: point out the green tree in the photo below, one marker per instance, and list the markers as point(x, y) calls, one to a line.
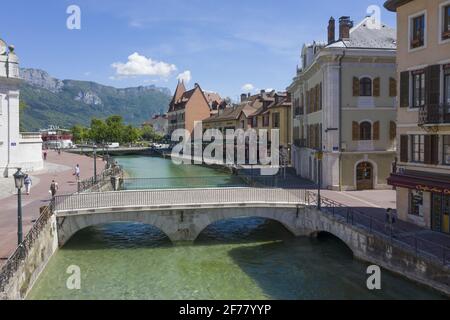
point(98, 131)
point(80, 134)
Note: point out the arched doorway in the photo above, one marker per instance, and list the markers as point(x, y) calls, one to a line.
point(364, 176)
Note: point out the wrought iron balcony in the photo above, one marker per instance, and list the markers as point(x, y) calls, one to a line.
point(434, 114)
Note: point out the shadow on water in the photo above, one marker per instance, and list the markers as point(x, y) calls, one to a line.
point(120, 235)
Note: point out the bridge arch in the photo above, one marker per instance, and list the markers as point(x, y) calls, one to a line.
point(343, 240)
point(287, 217)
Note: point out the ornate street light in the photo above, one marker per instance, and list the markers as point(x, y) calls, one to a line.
point(19, 176)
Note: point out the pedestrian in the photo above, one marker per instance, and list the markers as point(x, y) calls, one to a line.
point(53, 188)
point(45, 155)
point(77, 171)
point(27, 182)
point(59, 151)
point(388, 220)
point(393, 219)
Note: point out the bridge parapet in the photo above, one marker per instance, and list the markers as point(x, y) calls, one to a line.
point(175, 198)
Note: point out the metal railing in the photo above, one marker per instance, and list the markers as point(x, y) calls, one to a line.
point(226, 181)
point(100, 179)
point(393, 233)
point(20, 254)
point(177, 197)
point(434, 114)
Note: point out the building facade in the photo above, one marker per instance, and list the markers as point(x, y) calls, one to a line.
point(422, 177)
point(17, 150)
point(343, 106)
point(159, 123)
point(187, 107)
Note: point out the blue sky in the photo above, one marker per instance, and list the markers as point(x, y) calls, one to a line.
point(222, 44)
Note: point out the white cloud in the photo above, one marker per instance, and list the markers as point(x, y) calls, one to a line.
point(248, 87)
point(185, 76)
point(138, 65)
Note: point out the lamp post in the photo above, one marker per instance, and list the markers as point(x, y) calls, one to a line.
point(18, 180)
point(319, 156)
point(95, 162)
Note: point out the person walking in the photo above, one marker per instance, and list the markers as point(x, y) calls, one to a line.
point(388, 221)
point(53, 188)
point(27, 182)
point(45, 155)
point(77, 171)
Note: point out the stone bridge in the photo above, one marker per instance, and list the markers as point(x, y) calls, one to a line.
point(182, 214)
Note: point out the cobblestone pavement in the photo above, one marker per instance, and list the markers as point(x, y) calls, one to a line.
point(57, 167)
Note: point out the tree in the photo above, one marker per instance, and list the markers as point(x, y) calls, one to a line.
point(149, 134)
point(80, 134)
point(99, 130)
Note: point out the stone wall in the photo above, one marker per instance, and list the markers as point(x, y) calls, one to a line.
point(20, 273)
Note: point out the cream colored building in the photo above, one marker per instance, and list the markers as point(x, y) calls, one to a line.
point(343, 104)
point(17, 150)
point(422, 179)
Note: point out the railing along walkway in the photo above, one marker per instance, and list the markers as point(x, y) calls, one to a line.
point(178, 197)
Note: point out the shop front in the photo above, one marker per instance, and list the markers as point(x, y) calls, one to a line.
point(428, 196)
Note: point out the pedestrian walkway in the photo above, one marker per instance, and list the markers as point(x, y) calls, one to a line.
point(57, 167)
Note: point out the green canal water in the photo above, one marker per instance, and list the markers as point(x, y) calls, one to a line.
point(248, 258)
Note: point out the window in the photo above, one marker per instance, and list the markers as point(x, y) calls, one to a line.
point(266, 120)
point(446, 22)
point(255, 122)
point(447, 86)
point(365, 131)
point(418, 148)
point(416, 203)
point(418, 89)
point(365, 87)
point(418, 32)
point(276, 120)
point(446, 150)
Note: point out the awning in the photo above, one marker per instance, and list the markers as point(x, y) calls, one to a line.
point(421, 181)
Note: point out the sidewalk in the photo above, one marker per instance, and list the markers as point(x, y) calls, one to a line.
point(57, 167)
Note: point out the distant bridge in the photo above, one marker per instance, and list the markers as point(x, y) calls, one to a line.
point(122, 151)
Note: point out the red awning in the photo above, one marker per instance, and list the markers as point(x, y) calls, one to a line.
point(424, 183)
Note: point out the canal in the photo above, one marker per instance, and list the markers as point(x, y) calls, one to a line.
point(248, 258)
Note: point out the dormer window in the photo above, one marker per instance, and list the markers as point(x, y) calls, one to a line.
point(418, 31)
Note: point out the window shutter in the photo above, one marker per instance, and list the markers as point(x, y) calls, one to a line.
point(404, 89)
point(427, 149)
point(355, 87)
point(376, 87)
point(320, 97)
point(376, 131)
point(434, 149)
point(392, 130)
point(355, 131)
point(404, 143)
point(392, 87)
point(432, 84)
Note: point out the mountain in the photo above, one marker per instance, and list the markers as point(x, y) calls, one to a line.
point(50, 101)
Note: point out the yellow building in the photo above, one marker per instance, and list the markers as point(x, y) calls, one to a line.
point(422, 177)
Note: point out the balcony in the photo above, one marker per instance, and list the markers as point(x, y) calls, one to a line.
point(434, 114)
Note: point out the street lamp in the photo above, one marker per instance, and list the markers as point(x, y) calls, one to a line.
point(19, 176)
point(95, 162)
point(319, 157)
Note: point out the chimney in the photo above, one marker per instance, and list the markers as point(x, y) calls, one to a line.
point(331, 31)
point(243, 97)
point(263, 92)
point(344, 28)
